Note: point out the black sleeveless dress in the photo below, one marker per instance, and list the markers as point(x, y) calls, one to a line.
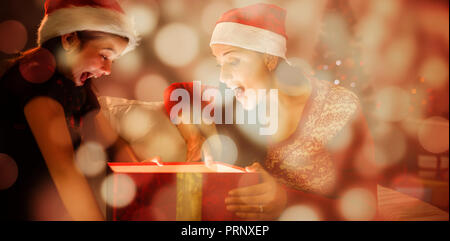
point(23, 200)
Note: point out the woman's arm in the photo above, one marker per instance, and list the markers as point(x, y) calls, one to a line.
point(361, 149)
point(195, 136)
point(268, 200)
point(194, 141)
point(119, 149)
point(44, 114)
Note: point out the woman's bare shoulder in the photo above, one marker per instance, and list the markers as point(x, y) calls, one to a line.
point(43, 106)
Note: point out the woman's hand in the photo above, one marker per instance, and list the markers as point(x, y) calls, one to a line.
point(264, 201)
point(195, 136)
point(194, 148)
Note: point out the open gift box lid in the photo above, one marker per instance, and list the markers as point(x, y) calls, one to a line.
point(177, 191)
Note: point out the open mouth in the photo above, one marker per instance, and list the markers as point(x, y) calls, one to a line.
point(85, 76)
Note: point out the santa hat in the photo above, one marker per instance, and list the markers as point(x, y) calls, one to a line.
point(68, 16)
point(259, 27)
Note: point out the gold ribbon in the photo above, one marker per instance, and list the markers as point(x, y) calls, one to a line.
point(189, 197)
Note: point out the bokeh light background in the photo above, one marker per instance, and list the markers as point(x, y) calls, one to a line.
point(393, 54)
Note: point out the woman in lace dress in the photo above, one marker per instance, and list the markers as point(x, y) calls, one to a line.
point(322, 147)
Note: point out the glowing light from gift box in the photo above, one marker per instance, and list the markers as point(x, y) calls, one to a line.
point(158, 142)
point(221, 148)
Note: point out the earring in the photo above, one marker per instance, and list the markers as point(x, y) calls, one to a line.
point(70, 41)
point(271, 62)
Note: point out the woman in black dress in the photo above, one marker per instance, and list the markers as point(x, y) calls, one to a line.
point(44, 97)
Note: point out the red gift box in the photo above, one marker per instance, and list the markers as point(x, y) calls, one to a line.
point(177, 191)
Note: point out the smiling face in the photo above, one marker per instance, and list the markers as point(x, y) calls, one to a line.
point(90, 55)
point(242, 70)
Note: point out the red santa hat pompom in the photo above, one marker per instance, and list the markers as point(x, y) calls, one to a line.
point(259, 27)
point(68, 16)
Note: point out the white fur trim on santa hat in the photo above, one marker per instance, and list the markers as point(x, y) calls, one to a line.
point(73, 19)
point(249, 37)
